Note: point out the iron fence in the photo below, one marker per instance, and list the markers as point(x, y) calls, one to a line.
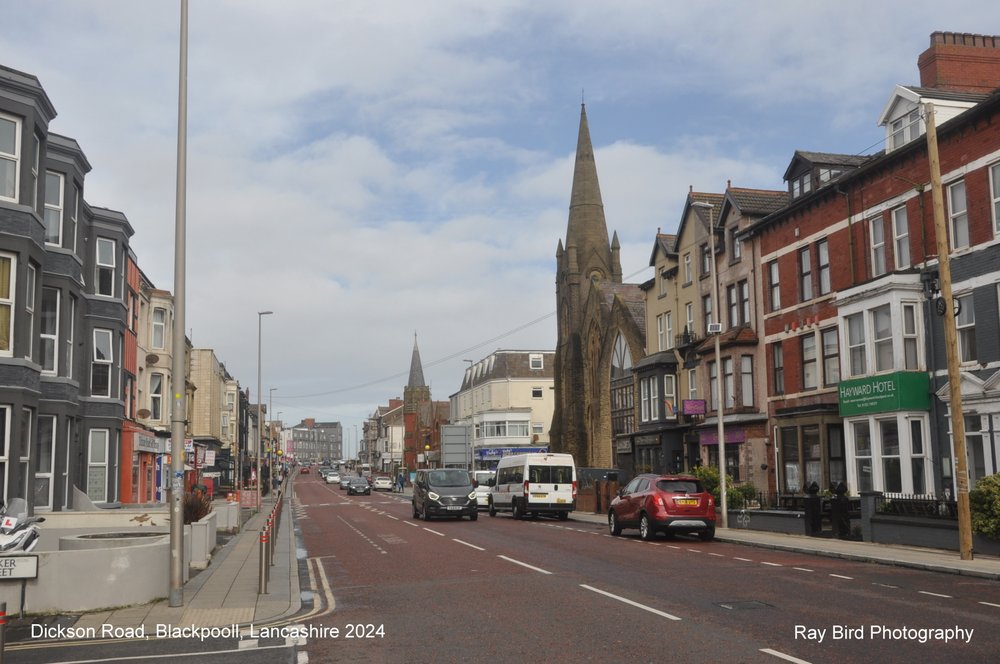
point(924, 506)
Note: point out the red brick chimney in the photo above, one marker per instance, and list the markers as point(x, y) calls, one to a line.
point(961, 62)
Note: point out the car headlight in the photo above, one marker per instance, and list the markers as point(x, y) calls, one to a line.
point(472, 496)
point(433, 496)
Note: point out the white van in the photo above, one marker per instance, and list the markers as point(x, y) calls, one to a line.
point(537, 483)
point(483, 482)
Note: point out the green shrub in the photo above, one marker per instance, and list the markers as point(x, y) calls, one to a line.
point(984, 503)
point(709, 476)
point(742, 495)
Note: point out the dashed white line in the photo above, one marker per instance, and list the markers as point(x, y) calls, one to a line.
point(925, 592)
point(746, 560)
point(841, 576)
point(473, 546)
point(630, 602)
point(434, 531)
point(886, 585)
point(764, 562)
point(991, 604)
point(411, 524)
point(717, 555)
point(531, 567)
point(394, 518)
point(695, 550)
point(781, 655)
point(803, 569)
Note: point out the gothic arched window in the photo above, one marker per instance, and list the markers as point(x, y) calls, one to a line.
point(622, 390)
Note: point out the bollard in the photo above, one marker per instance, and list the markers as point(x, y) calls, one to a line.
point(262, 566)
point(3, 628)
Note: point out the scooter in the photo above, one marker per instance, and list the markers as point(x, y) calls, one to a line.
point(18, 531)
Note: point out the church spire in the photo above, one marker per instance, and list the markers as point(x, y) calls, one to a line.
point(587, 228)
point(416, 369)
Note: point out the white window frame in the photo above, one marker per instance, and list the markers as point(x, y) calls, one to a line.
point(7, 301)
point(53, 208)
point(35, 172)
point(12, 157)
point(857, 364)
point(27, 440)
point(692, 384)
point(810, 380)
point(30, 300)
point(995, 196)
point(71, 336)
point(74, 216)
point(689, 312)
point(958, 216)
point(51, 338)
point(910, 314)
point(729, 381)
point(805, 274)
point(669, 397)
point(713, 375)
point(886, 339)
point(831, 361)
point(537, 392)
point(536, 362)
point(109, 361)
point(661, 332)
point(669, 321)
point(736, 247)
point(901, 237)
point(875, 459)
point(654, 398)
point(159, 328)
point(156, 397)
point(823, 266)
point(774, 285)
point(95, 465)
point(42, 473)
point(688, 276)
point(104, 267)
point(965, 327)
point(876, 231)
point(644, 400)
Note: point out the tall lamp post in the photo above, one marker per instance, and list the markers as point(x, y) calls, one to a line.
point(260, 423)
point(472, 421)
point(721, 430)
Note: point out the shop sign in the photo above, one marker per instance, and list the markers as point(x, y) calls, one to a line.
point(144, 443)
point(732, 436)
point(885, 393)
point(693, 406)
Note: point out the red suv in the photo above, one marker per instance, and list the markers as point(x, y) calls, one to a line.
point(663, 503)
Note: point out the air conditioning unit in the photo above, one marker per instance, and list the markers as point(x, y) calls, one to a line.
point(714, 328)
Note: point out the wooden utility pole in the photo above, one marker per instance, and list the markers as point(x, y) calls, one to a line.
point(950, 342)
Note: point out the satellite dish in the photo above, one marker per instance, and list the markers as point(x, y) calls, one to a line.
point(143, 413)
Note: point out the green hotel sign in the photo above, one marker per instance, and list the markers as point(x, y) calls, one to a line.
point(903, 390)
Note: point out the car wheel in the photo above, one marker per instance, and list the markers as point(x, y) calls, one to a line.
point(646, 531)
point(474, 516)
point(613, 524)
point(516, 510)
point(416, 514)
point(424, 515)
point(493, 508)
point(707, 535)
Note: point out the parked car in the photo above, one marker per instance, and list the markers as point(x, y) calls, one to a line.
point(382, 483)
point(663, 503)
point(358, 486)
point(332, 478)
point(345, 480)
point(444, 492)
point(305, 470)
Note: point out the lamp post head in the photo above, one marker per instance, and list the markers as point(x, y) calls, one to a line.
point(264, 313)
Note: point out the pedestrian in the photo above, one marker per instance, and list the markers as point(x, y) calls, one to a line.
point(400, 483)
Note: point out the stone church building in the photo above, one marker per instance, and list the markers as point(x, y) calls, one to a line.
point(601, 327)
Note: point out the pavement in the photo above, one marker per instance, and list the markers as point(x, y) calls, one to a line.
point(226, 593)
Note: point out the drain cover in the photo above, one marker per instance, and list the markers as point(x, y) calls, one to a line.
point(742, 605)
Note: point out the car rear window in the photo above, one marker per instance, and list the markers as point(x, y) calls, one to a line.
point(679, 486)
point(551, 474)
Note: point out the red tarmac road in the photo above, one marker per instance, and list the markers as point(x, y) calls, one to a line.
point(542, 590)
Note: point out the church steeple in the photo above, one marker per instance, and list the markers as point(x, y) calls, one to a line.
point(587, 229)
point(416, 368)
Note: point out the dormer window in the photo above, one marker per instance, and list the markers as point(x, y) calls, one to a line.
point(904, 129)
point(802, 185)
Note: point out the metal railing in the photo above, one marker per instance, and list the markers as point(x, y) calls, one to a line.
point(926, 506)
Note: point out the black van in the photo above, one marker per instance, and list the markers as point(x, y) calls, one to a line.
point(444, 492)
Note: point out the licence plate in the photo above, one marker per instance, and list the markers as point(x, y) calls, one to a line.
point(539, 495)
point(454, 508)
point(686, 501)
point(560, 500)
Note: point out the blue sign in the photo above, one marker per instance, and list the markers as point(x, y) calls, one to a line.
point(484, 453)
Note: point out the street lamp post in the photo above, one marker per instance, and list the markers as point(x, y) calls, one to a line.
point(721, 430)
point(260, 423)
point(472, 421)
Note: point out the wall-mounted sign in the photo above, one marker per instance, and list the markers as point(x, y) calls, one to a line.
point(885, 393)
point(18, 567)
point(693, 406)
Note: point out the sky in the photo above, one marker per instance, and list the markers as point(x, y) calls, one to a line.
point(374, 170)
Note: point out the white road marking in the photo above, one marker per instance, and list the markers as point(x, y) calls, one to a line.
point(531, 567)
point(886, 585)
point(991, 604)
point(394, 518)
point(803, 569)
point(410, 523)
point(764, 562)
point(478, 548)
point(746, 560)
point(781, 655)
point(924, 592)
point(717, 555)
point(630, 602)
point(434, 531)
point(841, 576)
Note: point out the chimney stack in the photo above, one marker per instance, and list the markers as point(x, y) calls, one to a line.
point(961, 62)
